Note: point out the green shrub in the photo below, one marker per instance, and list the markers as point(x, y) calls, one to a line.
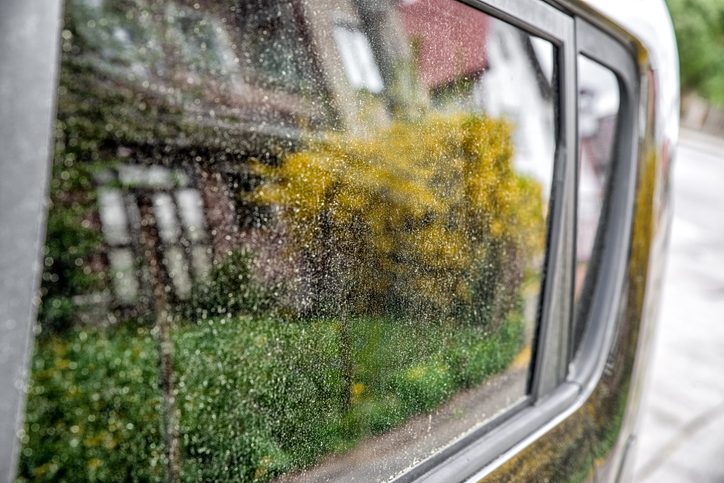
point(257, 397)
point(260, 397)
point(232, 288)
point(93, 411)
point(413, 368)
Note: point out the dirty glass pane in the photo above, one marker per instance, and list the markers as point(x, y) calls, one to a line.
point(297, 240)
point(598, 104)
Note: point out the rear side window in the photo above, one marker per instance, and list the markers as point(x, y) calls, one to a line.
point(598, 110)
point(289, 238)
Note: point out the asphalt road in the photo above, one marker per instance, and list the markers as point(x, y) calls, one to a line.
point(682, 426)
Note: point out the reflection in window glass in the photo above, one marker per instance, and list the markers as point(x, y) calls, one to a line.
point(297, 240)
point(122, 270)
point(357, 58)
point(598, 103)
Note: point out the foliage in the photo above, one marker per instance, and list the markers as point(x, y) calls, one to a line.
point(425, 218)
point(257, 397)
point(232, 287)
point(72, 241)
point(699, 27)
point(260, 397)
point(93, 411)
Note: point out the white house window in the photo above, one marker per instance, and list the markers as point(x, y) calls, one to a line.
point(358, 59)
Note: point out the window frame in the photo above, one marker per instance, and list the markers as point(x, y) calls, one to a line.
point(550, 345)
point(601, 316)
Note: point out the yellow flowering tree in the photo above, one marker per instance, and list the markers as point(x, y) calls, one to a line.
point(423, 218)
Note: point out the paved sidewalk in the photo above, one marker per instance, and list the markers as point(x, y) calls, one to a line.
point(682, 430)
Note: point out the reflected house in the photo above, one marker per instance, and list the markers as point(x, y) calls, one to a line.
point(442, 34)
point(246, 84)
point(233, 85)
point(504, 73)
point(518, 86)
point(240, 84)
point(236, 85)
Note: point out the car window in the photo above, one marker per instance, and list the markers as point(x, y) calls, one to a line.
point(598, 108)
point(287, 239)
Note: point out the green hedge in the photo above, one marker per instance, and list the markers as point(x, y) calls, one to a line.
point(94, 410)
point(257, 397)
point(262, 397)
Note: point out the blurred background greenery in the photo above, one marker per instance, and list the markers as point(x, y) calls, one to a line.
point(699, 26)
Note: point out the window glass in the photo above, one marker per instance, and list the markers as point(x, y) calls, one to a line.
point(598, 107)
point(598, 104)
point(286, 239)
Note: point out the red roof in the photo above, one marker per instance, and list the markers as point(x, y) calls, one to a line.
point(452, 38)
